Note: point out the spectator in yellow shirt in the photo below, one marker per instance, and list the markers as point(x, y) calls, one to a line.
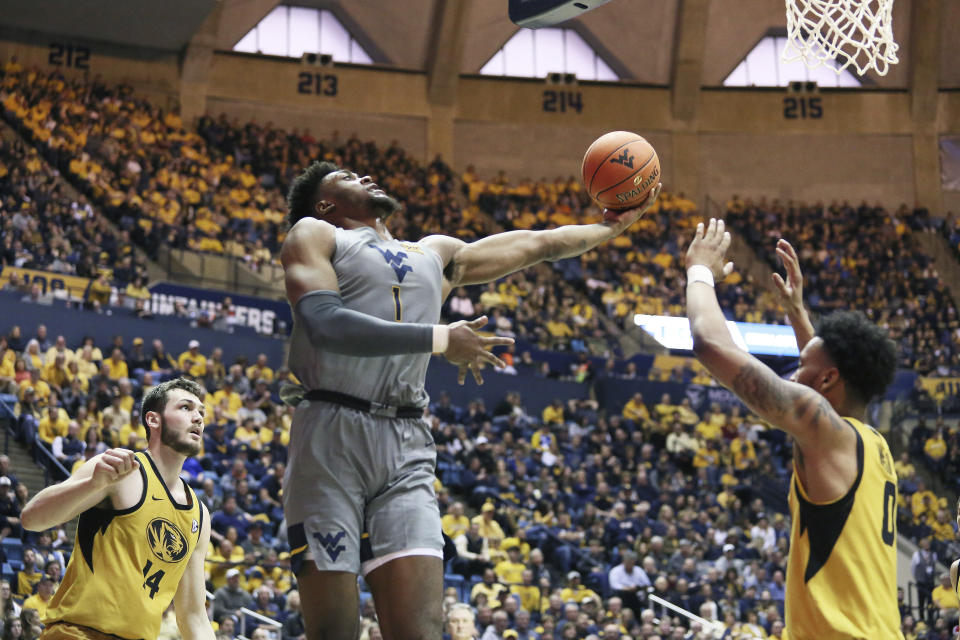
point(542, 438)
point(528, 592)
point(744, 454)
point(574, 591)
point(922, 499)
point(490, 588)
point(99, 291)
point(553, 413)
point(260, 369)
point(453, 522)
point(945, 597)
point(943, 528)
point(60, 346)
point(664, 410)
point(489, 528)
point(935, 449)
point(510, 571)
point(904, 467)
point(234, 401)
point(117, 365)
point(41, 390)
point(55, 372)
point(636, 411)
point(198, 362)
point(41, 599)
point(688, 416)
point(54, 422)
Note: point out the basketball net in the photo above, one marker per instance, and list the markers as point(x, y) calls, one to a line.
point(847, 32)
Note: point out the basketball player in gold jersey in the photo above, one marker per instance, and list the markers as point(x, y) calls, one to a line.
point(842, 569)
point(142, 532)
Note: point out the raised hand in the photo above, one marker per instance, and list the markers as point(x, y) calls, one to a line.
point(709, 248)
point(470, 351)
point(790, 291)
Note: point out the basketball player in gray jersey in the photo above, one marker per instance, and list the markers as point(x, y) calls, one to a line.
point(366, 312)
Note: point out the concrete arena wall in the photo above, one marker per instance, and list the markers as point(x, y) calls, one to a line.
point(153, 74)
point(376, 105)
point(874, 168)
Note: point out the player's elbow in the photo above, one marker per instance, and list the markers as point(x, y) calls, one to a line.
point(703, 345)
point(29, 518)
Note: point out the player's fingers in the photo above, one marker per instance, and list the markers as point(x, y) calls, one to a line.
point(111, 459)
point(652, 197)
point(494, 360)
point(721, 227)
point(477, 376)
point(496, 341)
point(725, 240)
point(478, 323)
point(107, 468)
point(700, 231)
point(711, 228)
point(727, 269)
point(780, 284)
point(792, 266)
point(789, 248)
point(461, 375)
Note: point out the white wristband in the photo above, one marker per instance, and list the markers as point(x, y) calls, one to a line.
point(699, 273)
point(441, 338)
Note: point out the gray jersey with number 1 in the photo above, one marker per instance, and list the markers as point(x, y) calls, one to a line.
point(392, 280)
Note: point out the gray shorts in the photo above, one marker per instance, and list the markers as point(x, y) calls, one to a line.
point(355, 477)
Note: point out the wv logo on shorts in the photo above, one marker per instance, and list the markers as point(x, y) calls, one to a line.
point(331, 543)
point(395, 260)
point(624, 158)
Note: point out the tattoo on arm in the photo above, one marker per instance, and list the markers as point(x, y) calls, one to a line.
point(760, 388)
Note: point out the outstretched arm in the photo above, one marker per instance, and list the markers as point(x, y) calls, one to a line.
point(799, 410)
point(501, 254)
point(791, 294)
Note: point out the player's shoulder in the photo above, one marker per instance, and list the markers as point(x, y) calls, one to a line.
point(443, 245)
point(308, 234)
point(306, 228)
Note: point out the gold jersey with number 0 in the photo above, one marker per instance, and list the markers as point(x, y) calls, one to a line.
point(842, 571)
point(126, 564)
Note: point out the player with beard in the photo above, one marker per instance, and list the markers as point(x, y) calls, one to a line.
point(142, 532)
point(358, 493)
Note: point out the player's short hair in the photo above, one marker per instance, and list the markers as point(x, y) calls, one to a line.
point(864, 355)
point(156, 398)
point(302, 197)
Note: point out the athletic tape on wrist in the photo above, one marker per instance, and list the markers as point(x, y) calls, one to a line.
point(700, 273)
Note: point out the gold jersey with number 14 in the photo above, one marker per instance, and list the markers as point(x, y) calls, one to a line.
point(126, 564)
point(842, 571)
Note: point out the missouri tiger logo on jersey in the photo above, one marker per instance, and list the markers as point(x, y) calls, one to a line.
point(166, 541)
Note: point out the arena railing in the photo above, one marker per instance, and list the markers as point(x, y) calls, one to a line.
point(222, 272)
point(245, 613)
point(717, 629)
point(49, 463)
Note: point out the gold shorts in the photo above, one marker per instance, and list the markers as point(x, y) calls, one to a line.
point(69, 631)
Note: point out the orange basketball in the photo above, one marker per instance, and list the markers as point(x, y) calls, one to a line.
point(620, 169)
